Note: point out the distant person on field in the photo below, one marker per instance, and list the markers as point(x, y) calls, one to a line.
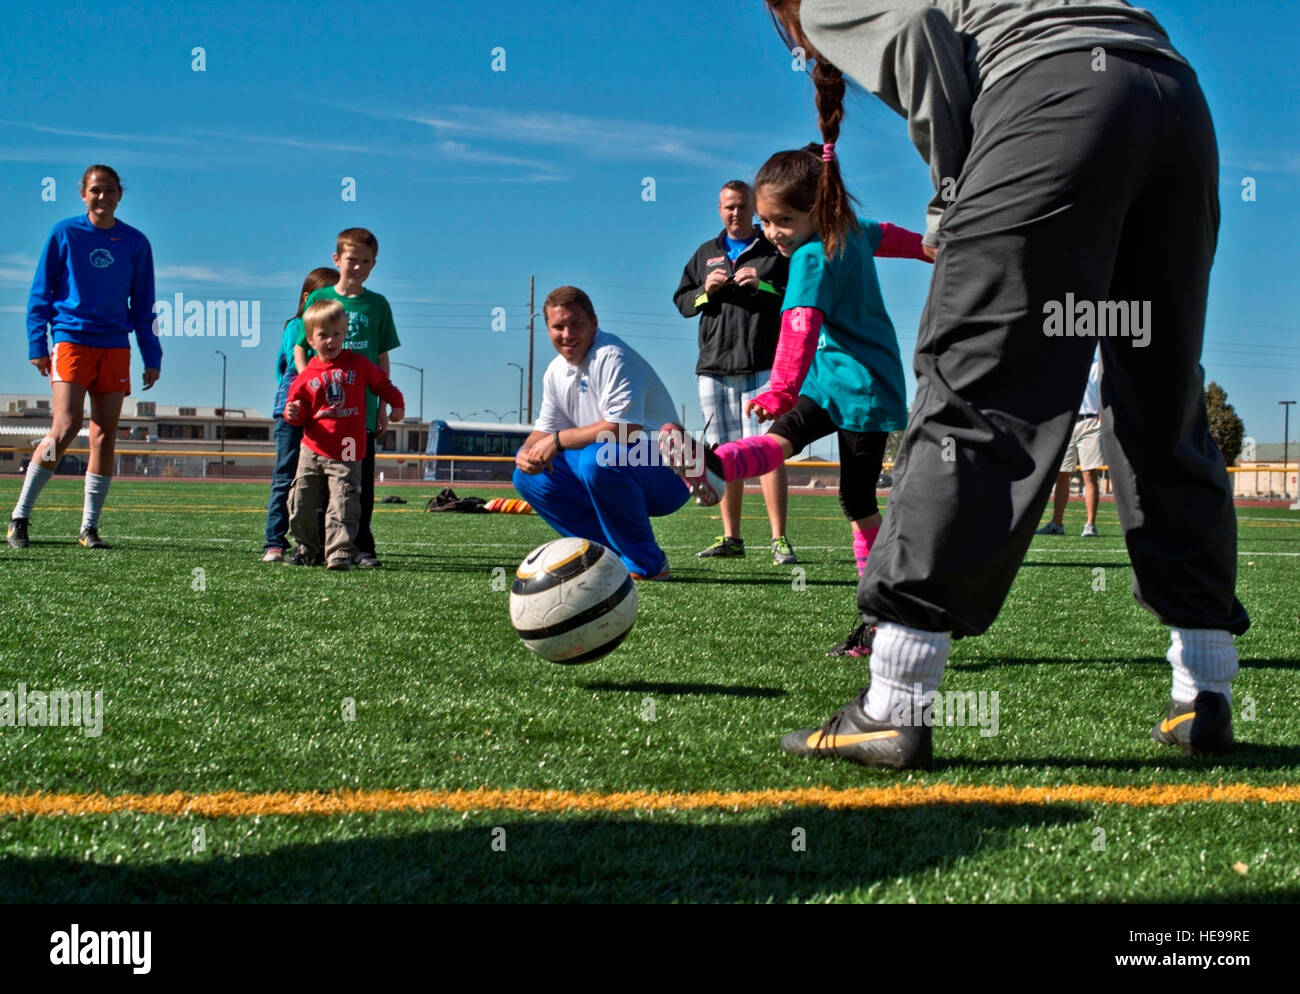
point(371, 333)
point(734, 282)
point(288, 437)
point(1084, 450)
point(328, 398)
point(590, 467)
point(93, 288)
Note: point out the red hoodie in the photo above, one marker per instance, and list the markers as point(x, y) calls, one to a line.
point(332, 403)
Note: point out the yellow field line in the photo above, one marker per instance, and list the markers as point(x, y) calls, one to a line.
point(231, 804)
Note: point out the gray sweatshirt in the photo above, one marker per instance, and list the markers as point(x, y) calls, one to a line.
point(930, 59)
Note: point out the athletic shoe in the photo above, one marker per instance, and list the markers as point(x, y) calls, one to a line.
point(297, 558)
point(366, 560)
point(343, 564)
point(16, 533)
point(1200, 728)
point(731, 548)
point(850, 733)
point(663, 574)
point(783, 552)
point(1051, 528)
point(273, 555)
point(696, 463)
point(858, 644)
point(1089, 531)
point(89, 539)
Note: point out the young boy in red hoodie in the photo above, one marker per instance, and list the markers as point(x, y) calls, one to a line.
point(329, 399)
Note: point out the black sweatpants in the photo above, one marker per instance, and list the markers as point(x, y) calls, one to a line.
point(1102, 185)
point(862, 453)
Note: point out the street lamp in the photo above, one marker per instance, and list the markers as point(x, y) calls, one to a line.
point(421, 372)
point(459, 417)
point(520, 409)
point(1286, 431)
point(222, 429)
point(499, 417)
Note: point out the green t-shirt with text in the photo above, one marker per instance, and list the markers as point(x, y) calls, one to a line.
point(371, 332)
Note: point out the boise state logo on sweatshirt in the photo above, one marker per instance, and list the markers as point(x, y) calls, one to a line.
point(333, 393)
point(101, 258)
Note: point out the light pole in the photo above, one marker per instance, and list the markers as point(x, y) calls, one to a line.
point(499, 417)
point(1286, 431)
point(520, 409)
point(421, 372)
point(222, 429)
point(459, 417)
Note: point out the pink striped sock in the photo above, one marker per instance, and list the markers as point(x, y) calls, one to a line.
point(862, 543)
point(749, 457)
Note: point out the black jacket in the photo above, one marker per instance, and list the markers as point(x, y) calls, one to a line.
point(739, 325)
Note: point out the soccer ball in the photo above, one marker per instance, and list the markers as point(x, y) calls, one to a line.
point(572, 601)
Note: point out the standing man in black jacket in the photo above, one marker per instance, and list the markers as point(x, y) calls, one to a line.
point(735, 283)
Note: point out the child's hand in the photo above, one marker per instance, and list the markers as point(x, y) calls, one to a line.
point(292, 410)
point(399, 413)
point(756, 410)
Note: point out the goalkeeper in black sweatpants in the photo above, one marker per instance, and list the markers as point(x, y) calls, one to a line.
point(1082, 180)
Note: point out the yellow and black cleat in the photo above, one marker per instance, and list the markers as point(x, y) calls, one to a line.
point(851, 734)
point(1200, 728)
point(89, 539)
point(16, 533)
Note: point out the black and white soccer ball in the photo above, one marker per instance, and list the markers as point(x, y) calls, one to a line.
point(572, 601)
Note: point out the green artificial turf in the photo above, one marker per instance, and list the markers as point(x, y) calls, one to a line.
point(219, 672)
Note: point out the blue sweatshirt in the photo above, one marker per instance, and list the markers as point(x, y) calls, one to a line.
point(94, 287)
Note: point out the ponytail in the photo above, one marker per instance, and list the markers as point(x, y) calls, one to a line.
point(833, 208)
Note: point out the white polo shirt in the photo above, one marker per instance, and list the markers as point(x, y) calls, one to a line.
point(612, 383)
point(1092, 392)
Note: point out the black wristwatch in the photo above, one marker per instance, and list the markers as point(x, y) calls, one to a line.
point(558, 446)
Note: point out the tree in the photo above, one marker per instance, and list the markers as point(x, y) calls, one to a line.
point(1226, 428)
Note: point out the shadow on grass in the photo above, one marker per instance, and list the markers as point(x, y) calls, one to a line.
point(709, 689)
point(553, 859)
point(1088, 565)
point(976, 664)
point(1245, 756)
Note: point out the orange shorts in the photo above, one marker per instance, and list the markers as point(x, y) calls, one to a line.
point(98, 370)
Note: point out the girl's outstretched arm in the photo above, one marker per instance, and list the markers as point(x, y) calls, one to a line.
point(800, 328)
point(899, 243)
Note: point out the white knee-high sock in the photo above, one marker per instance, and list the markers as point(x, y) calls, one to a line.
point(1203, 659)
point(96, 492)
point(906, 665)
point(37, 477)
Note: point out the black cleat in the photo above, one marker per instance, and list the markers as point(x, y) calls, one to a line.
point(851, 734)
point(298, 558)
point(695, 462)
point(16, 533)
point(89, 539)
point(858, 644)
point(366, 560)
point(1201, 728)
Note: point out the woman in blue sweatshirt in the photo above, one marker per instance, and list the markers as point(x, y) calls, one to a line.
point(93, 287)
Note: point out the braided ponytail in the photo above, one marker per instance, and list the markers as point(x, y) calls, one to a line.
point(833, 208)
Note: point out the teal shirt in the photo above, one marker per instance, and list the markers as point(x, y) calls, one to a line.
point(371, 332)
point(856, 374)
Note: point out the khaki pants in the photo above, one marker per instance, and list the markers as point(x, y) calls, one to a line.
point(341, 481)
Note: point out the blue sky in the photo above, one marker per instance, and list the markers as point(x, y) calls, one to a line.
point(474, 179)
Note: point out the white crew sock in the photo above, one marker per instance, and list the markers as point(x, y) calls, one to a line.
point(906, 665)
point(96, 492)
point(1203, 659)
point(37, 477)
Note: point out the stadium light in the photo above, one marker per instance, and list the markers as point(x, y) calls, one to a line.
point(1286, 431)
point(520, 409)
point(421, 372)
point(222, 409)
point(499, 417)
